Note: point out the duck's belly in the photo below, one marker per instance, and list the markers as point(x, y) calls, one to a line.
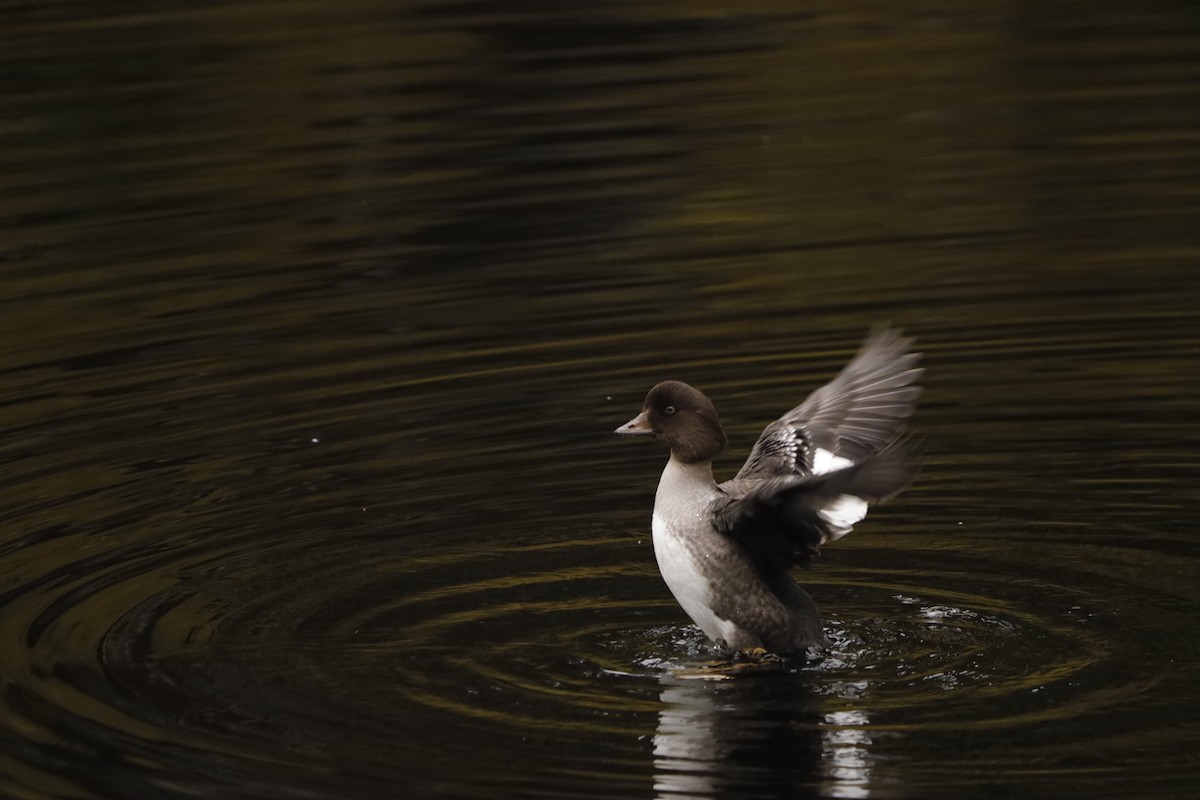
point(684, 565)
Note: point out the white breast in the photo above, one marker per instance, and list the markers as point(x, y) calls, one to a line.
point(679, 564)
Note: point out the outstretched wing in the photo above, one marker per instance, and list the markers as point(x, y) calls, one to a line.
point(783, 521)
point(858, 413)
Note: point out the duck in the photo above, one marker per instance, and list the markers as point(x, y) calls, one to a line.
point(727, 551)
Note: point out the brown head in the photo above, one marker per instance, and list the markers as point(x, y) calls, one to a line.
point(681, 417)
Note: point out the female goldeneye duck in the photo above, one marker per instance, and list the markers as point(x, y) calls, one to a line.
point(726, 551)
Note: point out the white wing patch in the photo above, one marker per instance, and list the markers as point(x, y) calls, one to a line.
point(841, 515)
point(846, 509)
point(825, 461)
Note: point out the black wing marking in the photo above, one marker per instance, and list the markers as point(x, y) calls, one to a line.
point(858, 413)
point(779, 521)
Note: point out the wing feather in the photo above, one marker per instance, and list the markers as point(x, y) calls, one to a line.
point(783, 521)
point(857, 414)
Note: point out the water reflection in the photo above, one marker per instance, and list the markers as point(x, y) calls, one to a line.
point(766, 736)
point(729, 738)
point(847, 755)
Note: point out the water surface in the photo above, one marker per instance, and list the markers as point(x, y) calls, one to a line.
point(318, 317)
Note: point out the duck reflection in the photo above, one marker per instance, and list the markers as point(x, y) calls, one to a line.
point(758, 736)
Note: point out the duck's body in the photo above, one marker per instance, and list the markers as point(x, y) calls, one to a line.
point(713, 579)
point(725, 551)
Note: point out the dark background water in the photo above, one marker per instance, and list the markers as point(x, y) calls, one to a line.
point(317, 318)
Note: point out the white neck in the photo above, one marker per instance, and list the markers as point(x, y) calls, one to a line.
point(685, 485)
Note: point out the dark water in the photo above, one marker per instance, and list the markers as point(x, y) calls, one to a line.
point(317, 318)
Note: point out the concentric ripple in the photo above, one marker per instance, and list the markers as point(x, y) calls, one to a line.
point(276, 651)
point(555, 636)
point(187, 643)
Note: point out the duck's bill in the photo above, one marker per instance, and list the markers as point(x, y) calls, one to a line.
point(638, 426)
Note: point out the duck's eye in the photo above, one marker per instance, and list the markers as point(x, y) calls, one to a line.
point(669, 410)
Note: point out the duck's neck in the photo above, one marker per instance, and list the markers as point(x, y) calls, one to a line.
point(685, 484)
